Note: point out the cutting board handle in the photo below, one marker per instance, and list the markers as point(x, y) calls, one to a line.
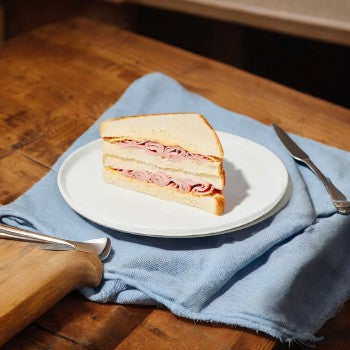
point(33, 280)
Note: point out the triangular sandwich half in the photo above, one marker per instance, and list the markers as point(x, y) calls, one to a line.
point(176, 157)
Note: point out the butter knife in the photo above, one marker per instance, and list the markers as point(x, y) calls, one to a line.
point(99, 246)
point(338, 198)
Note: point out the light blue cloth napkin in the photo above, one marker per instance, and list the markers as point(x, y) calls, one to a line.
point(285, 276)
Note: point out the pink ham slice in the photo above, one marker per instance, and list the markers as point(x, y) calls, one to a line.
point(175, 153)
point(161, 179)
point(154, 148)
point(170, 152)
point(203, 188)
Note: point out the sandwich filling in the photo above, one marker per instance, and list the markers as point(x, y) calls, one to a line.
point(156, 148)
point(200, 188)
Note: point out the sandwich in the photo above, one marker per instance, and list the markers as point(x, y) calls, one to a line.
point(175, 157)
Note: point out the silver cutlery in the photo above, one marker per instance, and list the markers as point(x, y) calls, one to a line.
point(338, 198)
point(100, 246)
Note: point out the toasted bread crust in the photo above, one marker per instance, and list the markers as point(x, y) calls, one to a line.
point(216, 136)
point(220, 204)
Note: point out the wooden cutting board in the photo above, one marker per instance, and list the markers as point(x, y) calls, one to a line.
point(32, 280)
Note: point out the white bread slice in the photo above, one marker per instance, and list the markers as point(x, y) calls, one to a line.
point(190, 131)
point(212, 203)
point(213, 168)
point(121, 163)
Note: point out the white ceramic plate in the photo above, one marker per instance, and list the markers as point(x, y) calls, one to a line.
point(256, 181)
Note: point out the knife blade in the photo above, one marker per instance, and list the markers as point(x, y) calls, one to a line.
point(55, 247)
point(338, 198)
point(294, 150)
point(44, 246)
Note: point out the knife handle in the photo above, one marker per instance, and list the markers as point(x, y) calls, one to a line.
point(336, 196)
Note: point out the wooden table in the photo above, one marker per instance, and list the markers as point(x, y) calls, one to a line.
point(55, 82)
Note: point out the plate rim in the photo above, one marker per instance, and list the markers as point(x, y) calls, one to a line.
point(143, 230)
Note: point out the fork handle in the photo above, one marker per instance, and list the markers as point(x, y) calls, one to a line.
point(336, 196)
point(18, 233)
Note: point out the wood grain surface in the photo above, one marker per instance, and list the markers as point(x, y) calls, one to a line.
point(56, 81)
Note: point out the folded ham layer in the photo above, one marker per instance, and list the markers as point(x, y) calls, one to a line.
point(121, 163)
point(161, 179)
point(211, 168)
point(156, 148)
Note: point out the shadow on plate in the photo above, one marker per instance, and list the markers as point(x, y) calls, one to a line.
point(236, 188)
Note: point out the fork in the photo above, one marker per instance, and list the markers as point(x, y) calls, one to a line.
point(100, 246)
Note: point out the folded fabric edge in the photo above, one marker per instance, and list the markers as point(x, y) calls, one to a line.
point(239, 319)
point(18, 219)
